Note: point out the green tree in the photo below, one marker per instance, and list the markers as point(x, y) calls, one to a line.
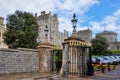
point(100, 46)
point(58, 59)
point(22, 30)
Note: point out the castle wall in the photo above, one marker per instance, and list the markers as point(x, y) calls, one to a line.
point(85, 35)
point(112, 46)
point(1, 20)
point(54, 35)
point(118, 43)
point(2, 31)
point(18, 60)
point(109, 36)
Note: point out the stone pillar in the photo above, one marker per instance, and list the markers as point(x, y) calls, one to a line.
point(45, 53)
point(65, 65)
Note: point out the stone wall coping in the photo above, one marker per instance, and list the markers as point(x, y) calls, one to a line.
point(27, 49)
point(18, 49)
point(10, 50)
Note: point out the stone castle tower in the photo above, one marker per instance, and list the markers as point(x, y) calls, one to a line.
point(2, 30)
point(85, 35)
point(54, 35)
point(111, 38)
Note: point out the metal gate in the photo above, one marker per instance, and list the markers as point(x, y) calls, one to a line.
point(53, 63)
point(77, 61)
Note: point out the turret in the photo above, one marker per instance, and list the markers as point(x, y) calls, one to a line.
point(1, 20)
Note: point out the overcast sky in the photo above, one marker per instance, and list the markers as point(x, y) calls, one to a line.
point(98, 15)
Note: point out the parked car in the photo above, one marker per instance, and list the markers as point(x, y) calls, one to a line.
point(95, 61)
point(117, 57)
point(104, 61)
point(114, 59)
point(101, 60)
point(111, 61)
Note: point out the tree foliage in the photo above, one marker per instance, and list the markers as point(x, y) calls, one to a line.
point(22, 30)
point(115, 51)
point(58, 59)
point(100, 46)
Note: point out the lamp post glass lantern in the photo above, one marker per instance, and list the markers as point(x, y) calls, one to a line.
point(74, 21)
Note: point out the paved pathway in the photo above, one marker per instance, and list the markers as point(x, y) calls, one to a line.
point(26, 76)
point(108, 75)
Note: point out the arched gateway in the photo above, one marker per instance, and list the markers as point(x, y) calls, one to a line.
point(75, 52)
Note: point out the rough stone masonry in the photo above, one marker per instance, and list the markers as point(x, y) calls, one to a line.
point(18, 60)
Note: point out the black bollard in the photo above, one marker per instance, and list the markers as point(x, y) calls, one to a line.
point(109, 69)
point(90, 69)
point(103, 69)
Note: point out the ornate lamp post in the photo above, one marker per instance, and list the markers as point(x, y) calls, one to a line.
point(45, 51)
point(74, 61)
point(74, 21)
